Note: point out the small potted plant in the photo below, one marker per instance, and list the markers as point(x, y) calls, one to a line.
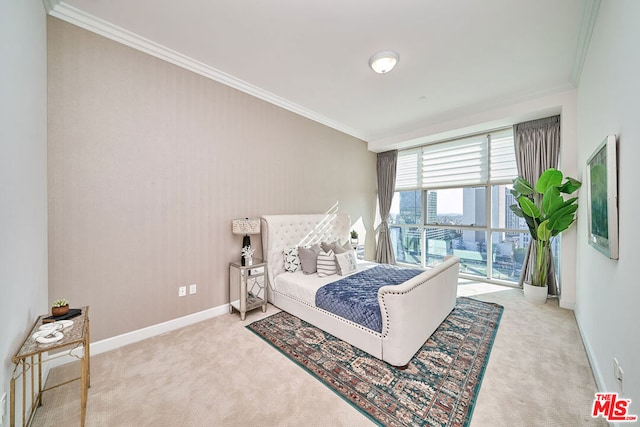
point(354, 238)
point(60, 307)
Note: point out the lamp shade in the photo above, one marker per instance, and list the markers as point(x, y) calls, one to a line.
point(246, 226)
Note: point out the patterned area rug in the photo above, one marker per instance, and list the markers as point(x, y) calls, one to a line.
point(438, 388)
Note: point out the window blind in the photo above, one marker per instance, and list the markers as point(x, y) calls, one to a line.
point(455, 163)
point(407, 169)
point(476, 160)
point(502, 162)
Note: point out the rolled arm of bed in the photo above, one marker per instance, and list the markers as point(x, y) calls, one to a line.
point(413, 310)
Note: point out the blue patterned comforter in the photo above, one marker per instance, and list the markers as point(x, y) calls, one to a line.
point(355, 297)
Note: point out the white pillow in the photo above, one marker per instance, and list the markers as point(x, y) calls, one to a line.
point(346, 262)
point(326, 264)
point(291, 260)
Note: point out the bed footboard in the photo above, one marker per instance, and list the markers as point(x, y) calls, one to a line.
point(412, 311)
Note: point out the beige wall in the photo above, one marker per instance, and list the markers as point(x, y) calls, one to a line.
point(148, 165)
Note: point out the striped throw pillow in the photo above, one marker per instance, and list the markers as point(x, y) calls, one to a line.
point(326, 264)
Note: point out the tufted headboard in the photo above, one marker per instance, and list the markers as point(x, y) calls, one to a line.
point(285, 231)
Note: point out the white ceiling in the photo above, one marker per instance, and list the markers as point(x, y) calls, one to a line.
point(457, 57)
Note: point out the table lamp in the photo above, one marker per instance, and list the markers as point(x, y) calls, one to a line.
point(246, 226)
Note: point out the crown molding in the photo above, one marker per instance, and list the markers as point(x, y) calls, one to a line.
point(591, 8)
point(106, 29)
point(49, 5)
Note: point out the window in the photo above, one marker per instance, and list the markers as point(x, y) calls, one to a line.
point(452, 198)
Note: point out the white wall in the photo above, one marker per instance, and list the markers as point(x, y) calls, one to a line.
point(608, 291)
point(23, 174)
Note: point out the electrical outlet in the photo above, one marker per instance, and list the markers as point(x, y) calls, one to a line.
point(620, 379)
point(618, 374)
point(182, 291)
point(193, 289)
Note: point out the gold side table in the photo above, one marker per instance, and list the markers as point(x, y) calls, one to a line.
point(247, 287)
point(29, 359)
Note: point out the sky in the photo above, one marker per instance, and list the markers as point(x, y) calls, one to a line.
point(450, 201)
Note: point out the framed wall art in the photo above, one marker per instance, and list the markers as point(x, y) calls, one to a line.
point(602, 198)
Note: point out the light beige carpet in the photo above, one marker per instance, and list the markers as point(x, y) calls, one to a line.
point(218, 373)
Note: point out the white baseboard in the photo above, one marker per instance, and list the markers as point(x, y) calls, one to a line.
point(597, 373)
point(601, 385)
point(570, 305)
point(142, 334)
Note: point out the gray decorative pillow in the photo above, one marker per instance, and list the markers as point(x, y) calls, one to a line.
point(326, 264)
point(326, 246)
point(346, 262)
point(308, 258)
point(339, 250)
point(291, 260)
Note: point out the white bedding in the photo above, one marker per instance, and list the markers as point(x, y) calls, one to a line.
point(303, 287)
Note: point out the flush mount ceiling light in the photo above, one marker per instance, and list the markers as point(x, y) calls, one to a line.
point(383, 62)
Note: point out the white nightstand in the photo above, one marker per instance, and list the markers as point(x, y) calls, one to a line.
point(247, 287)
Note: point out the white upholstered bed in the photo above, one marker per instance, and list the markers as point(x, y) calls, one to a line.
point(410, 311)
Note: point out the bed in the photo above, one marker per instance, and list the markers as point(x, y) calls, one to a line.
point(409, 312)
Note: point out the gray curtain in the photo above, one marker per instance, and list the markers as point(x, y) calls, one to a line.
point(537, 146)
point(386, 167)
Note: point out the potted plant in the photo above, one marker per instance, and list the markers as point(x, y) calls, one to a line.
point(354, 238)
point(60, 307)
point(547, 214)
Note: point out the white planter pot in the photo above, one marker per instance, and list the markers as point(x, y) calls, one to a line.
point(535, 294)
